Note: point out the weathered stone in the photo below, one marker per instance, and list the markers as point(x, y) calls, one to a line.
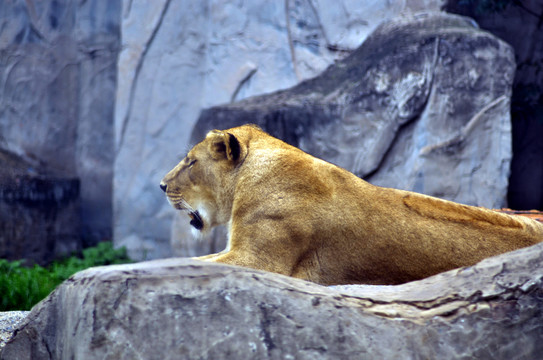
point(58, 75)
point(180, 56)
point(418, 107)
point(8, 324)
point(39, 212)
point(519, 24)
point(179, 308)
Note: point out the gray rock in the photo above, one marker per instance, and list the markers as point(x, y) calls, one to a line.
point(419, 106)
point(193, 55)
point(39, 212)
point(8, 323)
point(180, 308)
point(518, 24)
point(58, 62)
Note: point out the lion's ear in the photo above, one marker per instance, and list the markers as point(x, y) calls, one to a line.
point(223, 145)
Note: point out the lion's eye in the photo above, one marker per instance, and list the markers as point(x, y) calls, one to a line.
point(192, 163)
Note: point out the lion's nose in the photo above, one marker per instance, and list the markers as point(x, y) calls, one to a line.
point(163, 186)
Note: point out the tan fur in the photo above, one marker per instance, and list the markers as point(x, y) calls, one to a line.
point(291, 213)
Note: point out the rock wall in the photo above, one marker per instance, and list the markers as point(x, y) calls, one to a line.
point(39, 212)
point(58, 62)
point(179, 308)
point(519, 24)
point(181, 56)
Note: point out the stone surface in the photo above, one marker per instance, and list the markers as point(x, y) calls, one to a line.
point(39, 212)
point(417, 107)
point(58, 62)
point(519, 24)
point(179, 308)
point(180, 56)
point(8, 324)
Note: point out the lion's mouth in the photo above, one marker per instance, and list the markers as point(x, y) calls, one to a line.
point(196, 220)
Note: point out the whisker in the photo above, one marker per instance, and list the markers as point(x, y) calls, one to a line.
point(185, 152)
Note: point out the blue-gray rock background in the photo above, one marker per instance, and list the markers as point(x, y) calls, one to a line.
point(519, 23)
point(58, 70)
point(109, 91)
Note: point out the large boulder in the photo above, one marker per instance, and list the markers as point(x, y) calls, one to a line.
point(517, 23)
point(58, 70)
point(422, 105)
point(180, 56)
point(179, 308)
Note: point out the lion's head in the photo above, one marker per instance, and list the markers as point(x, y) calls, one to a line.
point(202, 184)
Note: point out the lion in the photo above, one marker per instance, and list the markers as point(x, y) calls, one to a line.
point(290, 213)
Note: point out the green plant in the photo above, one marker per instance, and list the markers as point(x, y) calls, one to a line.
point(22, 287)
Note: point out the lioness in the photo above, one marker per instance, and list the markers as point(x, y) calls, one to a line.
point(291, 213)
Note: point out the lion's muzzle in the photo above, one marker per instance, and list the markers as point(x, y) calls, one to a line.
point(196, 218)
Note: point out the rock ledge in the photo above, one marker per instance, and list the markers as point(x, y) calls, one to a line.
point(174, 308)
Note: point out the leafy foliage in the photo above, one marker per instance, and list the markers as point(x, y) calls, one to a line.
point(23, 287)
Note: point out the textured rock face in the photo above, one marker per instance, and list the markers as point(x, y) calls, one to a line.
point(39, 212)
point(174, 308)
point(191, 55)
point(58, 74)
point(8, 323)
point(418, 107)
point(519, 24)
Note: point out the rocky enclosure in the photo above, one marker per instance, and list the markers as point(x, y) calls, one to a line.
point(178, 308)
point(423, 104)
point(417, 107)
point(58, 68)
